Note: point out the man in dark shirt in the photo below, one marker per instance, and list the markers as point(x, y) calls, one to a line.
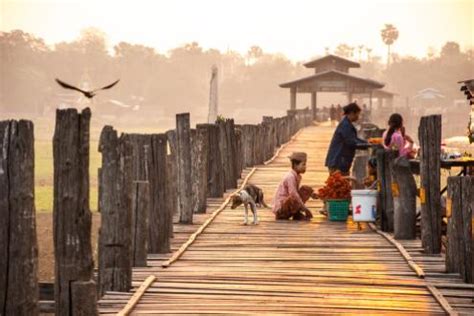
point(345, 142)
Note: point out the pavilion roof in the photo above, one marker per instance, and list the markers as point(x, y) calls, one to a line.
point(322, 75)
point(336, 59)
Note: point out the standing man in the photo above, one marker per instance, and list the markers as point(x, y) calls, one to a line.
point(338, 113)
point(332, 114)
point(345, 142)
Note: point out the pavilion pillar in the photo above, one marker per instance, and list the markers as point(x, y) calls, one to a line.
point(293, 98)
point(370, 101)
point(380, 102)
point(349, 97)
point(314, 103)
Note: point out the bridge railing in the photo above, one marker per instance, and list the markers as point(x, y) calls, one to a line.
point(144, 180)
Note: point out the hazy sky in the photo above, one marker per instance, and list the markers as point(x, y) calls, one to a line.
point(297, 28)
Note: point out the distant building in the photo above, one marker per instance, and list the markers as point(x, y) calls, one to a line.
point(331, 74)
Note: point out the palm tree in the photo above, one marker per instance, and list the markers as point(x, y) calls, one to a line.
point(389, 36)
point(368, 50)
point(253, 54)
point(360, 48)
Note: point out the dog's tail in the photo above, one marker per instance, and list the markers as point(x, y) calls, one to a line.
point(265, 204)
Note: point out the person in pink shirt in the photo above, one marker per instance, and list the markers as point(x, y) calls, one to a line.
point(290, 198)
point(396, 139)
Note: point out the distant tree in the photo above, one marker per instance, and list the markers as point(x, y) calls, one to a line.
point(254, 53)
point(430, 52)
point(389, 36)
point(360, 48)
point(368, 50)
point(344, 50)
point(450, 49)
point(23, 65)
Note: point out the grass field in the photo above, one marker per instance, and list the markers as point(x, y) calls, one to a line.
point(44, 175)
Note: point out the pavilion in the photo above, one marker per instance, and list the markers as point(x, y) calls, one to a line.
point(331, 74)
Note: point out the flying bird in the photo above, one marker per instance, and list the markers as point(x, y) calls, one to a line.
point(87, 94)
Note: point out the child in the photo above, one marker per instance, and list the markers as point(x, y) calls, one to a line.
point(290, 198)
point(395, 137)
point(370, 182)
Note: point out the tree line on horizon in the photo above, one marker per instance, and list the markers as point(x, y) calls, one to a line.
point(177, 81)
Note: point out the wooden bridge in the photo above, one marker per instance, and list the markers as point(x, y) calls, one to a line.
point(219, 266)
point(204, 260)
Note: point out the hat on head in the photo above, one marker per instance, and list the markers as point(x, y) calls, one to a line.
point(300, 156)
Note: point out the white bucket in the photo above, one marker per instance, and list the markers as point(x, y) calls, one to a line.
point(364, 205)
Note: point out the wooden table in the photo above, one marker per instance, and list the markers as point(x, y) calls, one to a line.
point(446, 164)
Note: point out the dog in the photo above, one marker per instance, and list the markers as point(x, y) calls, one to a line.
point(250, 195)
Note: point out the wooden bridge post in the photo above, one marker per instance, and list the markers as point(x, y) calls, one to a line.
point(277, 128)
point(233, 132)
point(215, 180)
point(269, 146)
point(404, 199)
point(239, 151)
point(72, 216)
point(225, 154)
point(247, 145)
point(140, 222)
point(459, 211)
point(18, 243)
point(115, 204)
point(429, 133)
point(183, 146)
point(172, 176)
point(231, 153)
point(384, 175)
point(141, 204)
point(199, 140)
point(161, 216)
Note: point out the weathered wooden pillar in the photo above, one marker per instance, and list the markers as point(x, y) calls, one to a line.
point(359, 169)
point(231, 153)
point(71, 213)
point(141, 204)
point(224, 153)
point(199, 140)
point(183, 146)
point(292, 124)
point(235, 150)
point(404, 199)
point(18, 244)
point(384, 174)
point(160, 214)
point(459, 211)
point(115, 204)
point(429, 133)
point(247, 145)
point(277, 127)
point(172, 176)
point(258, 145)
point(239, 152)
point(269, 138)
point(140, 222)
point(215, 180)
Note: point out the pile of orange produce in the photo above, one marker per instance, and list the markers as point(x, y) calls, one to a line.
point(337, 188)
point(375, 140)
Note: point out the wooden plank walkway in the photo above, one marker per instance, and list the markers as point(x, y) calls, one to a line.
point(286, 267)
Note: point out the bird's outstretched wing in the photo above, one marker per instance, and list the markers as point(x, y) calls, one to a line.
point(109, 86)
point(68, 86)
